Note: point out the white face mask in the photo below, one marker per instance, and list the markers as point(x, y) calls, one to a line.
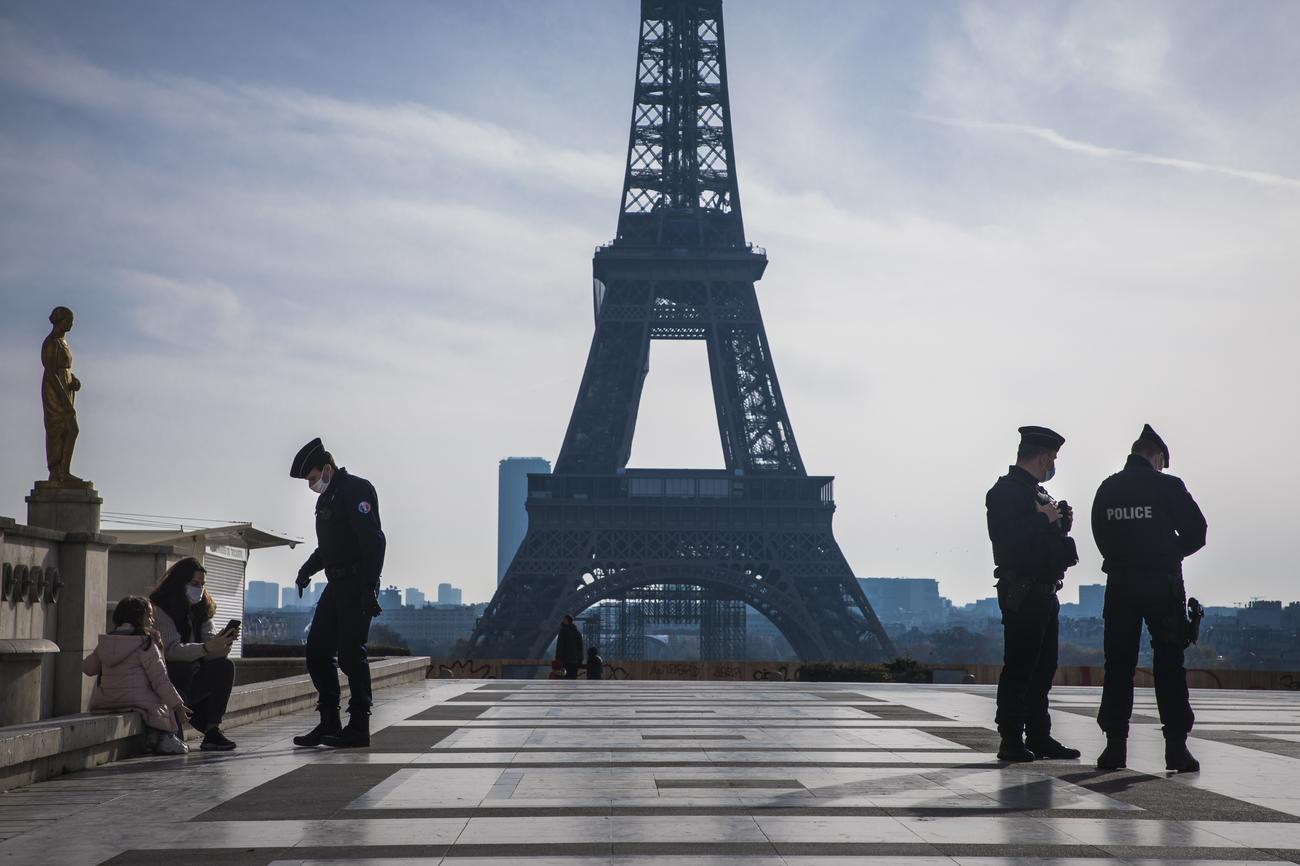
point(194, 593)
point(321, 485)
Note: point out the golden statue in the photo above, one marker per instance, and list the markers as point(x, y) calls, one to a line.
point(58, 395)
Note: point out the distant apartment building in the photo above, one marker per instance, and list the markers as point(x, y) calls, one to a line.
point(908, 601)
point(390, 598)
point(976, 614)
point(414, 598)
point(261, 595)
point(512, 515)
point(448, 595)
point(289, 595)
point(1092, 598)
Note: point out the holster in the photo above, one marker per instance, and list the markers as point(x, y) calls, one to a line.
point(1195, 613)
point(1012, 592)
point(368, 591)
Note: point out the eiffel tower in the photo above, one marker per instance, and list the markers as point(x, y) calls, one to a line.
point(680, 269)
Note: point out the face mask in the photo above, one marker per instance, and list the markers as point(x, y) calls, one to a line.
point(322, 483)
point(194, 593)
point(1051, 473)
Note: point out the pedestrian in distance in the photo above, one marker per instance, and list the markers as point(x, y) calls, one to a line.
point(131, 675)
point(1146, 523)
point(1031, 551)
point(350, 547)
point(198, 660)
point(568, 648)
point(595, 664)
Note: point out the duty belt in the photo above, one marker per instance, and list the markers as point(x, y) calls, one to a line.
point(333, 572)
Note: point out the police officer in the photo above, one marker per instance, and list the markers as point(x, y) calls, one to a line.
point(350, 550)
point(1031, 551)
point(1145, 523)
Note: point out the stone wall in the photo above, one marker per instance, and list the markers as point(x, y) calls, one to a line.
point(29, 607)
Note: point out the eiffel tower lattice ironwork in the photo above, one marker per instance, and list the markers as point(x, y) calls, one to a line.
point(680, 269)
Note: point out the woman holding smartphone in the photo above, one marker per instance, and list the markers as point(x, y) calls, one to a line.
point(198, 662)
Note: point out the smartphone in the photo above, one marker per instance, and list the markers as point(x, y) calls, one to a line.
point(231, 626)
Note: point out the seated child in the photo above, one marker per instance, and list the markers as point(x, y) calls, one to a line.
point(595, 664)
point(133, 676)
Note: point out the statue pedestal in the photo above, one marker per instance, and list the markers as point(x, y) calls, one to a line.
point(66, 509)
point(83, 561)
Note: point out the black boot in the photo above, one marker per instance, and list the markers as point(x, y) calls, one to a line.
point(1046, 747)
point(1115, 755)
point(355, 736)
point(1013, 749)
point(329, 724)
point(1177, 758)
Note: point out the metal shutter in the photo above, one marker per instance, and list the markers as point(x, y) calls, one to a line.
point(225, 582)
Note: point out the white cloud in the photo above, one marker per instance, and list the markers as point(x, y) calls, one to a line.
point(167, 309)
point(1073, 145)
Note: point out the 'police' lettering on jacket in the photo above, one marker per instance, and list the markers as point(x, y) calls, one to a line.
point(1139, 512)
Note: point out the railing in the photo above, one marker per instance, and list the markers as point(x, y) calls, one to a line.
point(683, 484)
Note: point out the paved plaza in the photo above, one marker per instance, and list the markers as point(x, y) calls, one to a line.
point(558, 773)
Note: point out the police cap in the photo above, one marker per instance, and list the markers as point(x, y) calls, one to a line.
point(1149, 435)
point(1042, 437)
point(311, 456)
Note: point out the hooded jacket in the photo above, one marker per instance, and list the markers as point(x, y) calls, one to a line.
point(132, 676)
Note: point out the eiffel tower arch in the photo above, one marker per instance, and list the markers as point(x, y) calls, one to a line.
point(679, 268)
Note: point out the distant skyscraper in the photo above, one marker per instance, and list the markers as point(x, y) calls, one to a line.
point(289, 597)
point(512, 493)
point(1092, 598)
point(261, 595)
point(390, 598)
point(414, 598)
point(448, 594)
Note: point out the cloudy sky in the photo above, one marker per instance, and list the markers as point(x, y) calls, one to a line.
point(375, 224)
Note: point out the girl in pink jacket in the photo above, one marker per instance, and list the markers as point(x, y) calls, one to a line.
point(133, 676)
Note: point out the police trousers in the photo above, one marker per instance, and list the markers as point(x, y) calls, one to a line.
point(339, 629)
point(1159, 600)
point(1029, 644)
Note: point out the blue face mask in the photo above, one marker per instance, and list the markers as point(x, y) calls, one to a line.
point(194, 594)
point(1051, 473)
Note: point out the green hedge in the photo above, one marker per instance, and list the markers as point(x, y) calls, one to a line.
point(900, 670)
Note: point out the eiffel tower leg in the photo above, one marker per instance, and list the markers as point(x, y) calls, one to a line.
point(828, 596)
point(525, 613)
point(752, 419)
point(599, 438)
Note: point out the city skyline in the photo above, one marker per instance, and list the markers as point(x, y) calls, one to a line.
point(263, 244)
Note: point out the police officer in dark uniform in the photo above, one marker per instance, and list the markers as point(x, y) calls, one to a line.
point(1145, 523)
point(1031, 551)
point(350, 550)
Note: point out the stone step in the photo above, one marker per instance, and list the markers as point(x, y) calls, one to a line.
point(63, 744)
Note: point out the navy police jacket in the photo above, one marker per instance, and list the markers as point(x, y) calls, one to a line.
point(1145, 521)
point(348, 535)
point(1025, 544)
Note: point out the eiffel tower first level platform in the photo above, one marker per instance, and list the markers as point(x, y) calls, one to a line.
point(765, 541)
point(679, 268)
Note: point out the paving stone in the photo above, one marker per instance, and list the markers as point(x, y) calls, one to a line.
point(690, 774)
